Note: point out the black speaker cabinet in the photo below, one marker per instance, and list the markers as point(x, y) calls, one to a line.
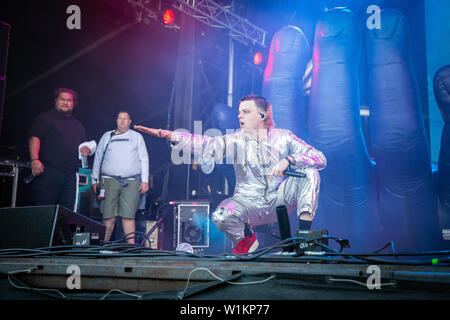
point(44, 226)
point(4, 45)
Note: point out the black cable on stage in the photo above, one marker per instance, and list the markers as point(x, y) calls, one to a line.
point(115, 250)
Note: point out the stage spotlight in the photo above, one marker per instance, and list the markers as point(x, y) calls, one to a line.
point(257, 58)
point(168, 17)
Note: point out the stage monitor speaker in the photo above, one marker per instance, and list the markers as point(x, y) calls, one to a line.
point(4, 45)
point(45, 226)
point(192, 224)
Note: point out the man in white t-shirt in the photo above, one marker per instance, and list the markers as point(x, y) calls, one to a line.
point(120, 173)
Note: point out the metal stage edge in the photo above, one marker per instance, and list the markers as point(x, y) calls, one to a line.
point(153, 275)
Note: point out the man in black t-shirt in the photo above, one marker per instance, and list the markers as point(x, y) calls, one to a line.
point(54, 140)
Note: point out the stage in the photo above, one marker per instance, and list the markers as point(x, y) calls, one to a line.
point(127, 272)
point(353, 93)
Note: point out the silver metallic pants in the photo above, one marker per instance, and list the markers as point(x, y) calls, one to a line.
point(233, 213)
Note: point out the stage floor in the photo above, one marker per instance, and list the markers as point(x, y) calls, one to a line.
point(153, 274)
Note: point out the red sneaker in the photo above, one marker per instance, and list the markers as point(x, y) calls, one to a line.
point(246, 245)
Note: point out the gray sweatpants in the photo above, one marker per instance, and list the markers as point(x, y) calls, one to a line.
point(234, 213)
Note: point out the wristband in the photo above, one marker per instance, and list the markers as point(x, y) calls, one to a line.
point(34, 160)
point(289, 160)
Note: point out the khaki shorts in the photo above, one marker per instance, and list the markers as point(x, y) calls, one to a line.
point(119, 201)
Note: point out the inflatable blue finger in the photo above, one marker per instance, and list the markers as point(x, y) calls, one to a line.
point(347, 202)
point(407, 201)
point(441, 86)
point(283, 79)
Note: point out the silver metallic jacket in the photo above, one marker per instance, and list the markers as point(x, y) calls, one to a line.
point(252, 160)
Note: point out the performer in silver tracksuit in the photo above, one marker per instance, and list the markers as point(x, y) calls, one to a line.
point(256, 195)
point(260, 153)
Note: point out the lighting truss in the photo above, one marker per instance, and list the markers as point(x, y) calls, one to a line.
point(215, 15)
point(209, 13)
point(142, 10)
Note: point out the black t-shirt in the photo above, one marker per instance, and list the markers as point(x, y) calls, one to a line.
point(60, 138)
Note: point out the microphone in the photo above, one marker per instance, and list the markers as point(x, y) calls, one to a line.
point(295, 174)
point(28, 179)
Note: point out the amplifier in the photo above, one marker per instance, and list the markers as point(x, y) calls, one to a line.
point(153, 240)
point(309, 235)
point(192, 223)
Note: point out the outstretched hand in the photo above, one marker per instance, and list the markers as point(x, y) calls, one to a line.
point(160, 133)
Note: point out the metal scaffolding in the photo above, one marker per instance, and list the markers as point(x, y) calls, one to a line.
point(209, 13)
point(142, 11)
point(214, 15)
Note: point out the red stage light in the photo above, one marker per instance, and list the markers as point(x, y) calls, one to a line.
point(257, 58)
point(168, 17)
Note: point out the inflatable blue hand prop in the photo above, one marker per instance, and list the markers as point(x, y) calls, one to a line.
point(441, 86)
point(392, 198)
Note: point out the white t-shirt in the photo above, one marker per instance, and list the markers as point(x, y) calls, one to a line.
point(125, 156)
